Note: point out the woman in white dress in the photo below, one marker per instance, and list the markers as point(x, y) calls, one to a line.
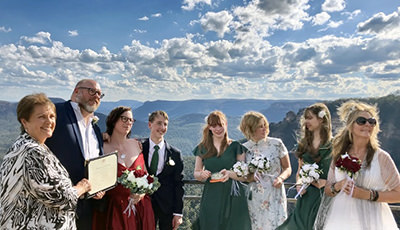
point(267, 201)
point(361, 202)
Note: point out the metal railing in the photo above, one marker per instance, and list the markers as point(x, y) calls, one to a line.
point(287, 186)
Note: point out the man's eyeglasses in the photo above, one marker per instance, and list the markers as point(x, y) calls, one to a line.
point(126, 119)
point(363, 121)
point(93, 92)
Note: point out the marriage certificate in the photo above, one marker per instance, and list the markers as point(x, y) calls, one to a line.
point(102, 173)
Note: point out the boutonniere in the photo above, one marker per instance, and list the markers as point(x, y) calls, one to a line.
point(95, 119)
point(171, 162)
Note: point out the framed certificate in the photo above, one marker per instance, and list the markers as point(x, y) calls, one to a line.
point(102, 173)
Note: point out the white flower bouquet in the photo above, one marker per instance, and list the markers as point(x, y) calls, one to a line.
point(138, 182)
point(259, 164)
point(308, 174)
point(241, 168)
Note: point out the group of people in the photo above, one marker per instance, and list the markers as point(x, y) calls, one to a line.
point(43, 181)
point(43, 178)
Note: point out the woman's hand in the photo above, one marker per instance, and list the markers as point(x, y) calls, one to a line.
point(348, 187)
point(203, 175)
point(278, 182)
point(83, 187)
point(137, 197)
point(298, 187)
point(226, 174)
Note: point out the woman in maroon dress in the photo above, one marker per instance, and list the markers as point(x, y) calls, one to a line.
point(119, 215)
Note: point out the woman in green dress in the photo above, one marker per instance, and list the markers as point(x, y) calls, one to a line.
point(223, 204)
point(313, 147)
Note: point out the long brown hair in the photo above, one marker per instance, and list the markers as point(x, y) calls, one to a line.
point(305, 143)
point(348, 113)
point(213, 119)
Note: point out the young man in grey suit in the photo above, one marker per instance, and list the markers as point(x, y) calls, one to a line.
point(77, 139)
point(166, 163)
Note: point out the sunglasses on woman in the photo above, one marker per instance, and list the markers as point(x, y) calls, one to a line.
point(363, 121)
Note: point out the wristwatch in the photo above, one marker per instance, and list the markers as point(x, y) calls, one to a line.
point(333, 190)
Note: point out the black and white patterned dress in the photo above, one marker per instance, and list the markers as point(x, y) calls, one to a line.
point(35, 189)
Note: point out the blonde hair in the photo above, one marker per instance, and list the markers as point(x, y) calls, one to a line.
point(250, 122)
point(348, 113)
point(213, 119)
point(305, 143)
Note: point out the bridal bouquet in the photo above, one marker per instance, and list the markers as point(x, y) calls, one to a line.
point(308, 173)
point(348, 164)
point(241, 168)
point(138, 182)
point(259, 164)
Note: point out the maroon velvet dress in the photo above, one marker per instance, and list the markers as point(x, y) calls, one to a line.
point(118, 199)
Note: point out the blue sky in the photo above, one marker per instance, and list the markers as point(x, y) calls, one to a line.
point(201, 49)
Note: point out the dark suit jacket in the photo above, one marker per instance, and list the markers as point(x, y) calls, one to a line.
point(66, 144)
point(169, 197)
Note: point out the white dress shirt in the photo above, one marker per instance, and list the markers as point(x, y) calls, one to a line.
point(89, 139)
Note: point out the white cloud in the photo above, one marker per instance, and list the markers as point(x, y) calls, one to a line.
point(247, 66)
point(191, 4)
point(333, 5)
point(73, 33)
point(157, 15)
point(381, 23)
point(321, 18)
point(262, 17)
point(140, 31)
point(351, 15)
point(333, 24)
point(3, 29)
point(218, 22)
point(40, 37)
point(144, 18)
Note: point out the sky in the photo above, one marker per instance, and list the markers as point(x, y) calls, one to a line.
point(150, 50)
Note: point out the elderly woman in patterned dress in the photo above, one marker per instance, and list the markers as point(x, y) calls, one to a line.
point(35, 189)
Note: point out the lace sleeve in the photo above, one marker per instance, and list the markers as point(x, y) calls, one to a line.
point(331, 175)
point(390, 174)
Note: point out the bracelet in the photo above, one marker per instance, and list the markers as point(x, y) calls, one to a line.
point(333, 190)
point(376, 195)
point(371, 195)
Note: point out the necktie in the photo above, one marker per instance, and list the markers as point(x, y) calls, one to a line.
point(154, 161)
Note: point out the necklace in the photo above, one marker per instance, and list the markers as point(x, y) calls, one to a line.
point(123, 156)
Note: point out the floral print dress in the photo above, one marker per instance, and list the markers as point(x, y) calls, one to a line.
point(36, 192)
point(267, 204)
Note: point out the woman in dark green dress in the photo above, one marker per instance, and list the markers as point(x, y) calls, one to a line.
point(314, 147)
point(223, 204)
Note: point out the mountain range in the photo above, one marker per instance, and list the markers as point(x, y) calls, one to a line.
point(187, 119)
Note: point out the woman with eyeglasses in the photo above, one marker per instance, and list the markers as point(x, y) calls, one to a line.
point(360, 201)
point(117, 215)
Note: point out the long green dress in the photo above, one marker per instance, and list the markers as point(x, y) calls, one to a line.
point(219, 209)
point(303, 216)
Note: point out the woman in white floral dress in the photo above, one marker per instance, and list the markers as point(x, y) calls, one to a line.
point(267, 197)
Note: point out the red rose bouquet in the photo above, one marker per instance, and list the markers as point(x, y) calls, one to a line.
point(348, 164)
